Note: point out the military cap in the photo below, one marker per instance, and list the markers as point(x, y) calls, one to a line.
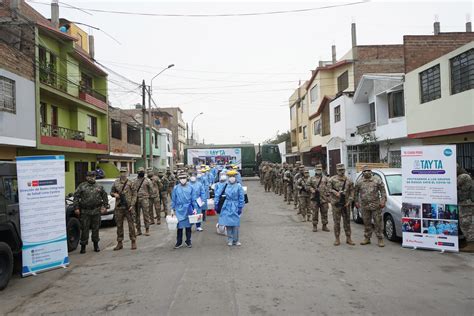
point(141, 169)
point(340, 166)
point(149, 169)
point(366, 168)
point(298, 163)
point(306, 171)
point(301, 167)
point(123, 169)
point(90, 174)
point(319, 167)
point(182, 175)
point(161, 172)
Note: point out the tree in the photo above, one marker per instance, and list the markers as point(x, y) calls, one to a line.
point(279, 138)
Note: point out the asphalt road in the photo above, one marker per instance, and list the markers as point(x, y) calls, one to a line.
point(282, 268)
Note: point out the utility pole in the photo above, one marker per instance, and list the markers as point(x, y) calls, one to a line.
point(144, 125)
point(151, 123)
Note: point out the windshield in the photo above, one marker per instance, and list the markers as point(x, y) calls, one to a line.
point(107, 185)
point(394, 184)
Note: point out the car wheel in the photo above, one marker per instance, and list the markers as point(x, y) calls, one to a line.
point(6, 265)
point(356, 216)
point(73, 233)
point(389, 228)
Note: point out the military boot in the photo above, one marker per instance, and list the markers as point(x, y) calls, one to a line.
point(83, 248)
point(349, 241)
point(96, 247)
point(139, 232)
point(134, 245)
point(366, 241)
point(147, 232)
point(308, 218)
point(337, 242)
point(325, 228)
point(315, 228)
point(119, 246)
point(381, 243)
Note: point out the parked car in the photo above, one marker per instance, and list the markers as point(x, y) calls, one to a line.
point(391, 214)
point(10, 234)
point(109, 216)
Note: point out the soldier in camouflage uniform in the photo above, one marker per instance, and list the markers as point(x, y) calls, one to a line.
point(171, 181)
point(302, 185)
point(267, 177)
point(465, 186)
point(319, 198)
point(341, 195)
point(281, 185)
point(90, 200)
point(260, 171)
point(369, 193)
point(288, 184)
point(123, 193)
point(142, 189)
point(274, 177)
point(166, 186)
point(298, 173)
point(154, 200)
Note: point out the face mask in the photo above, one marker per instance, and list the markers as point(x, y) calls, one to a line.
point(183, 181)
point(367, 175)
point(150, 175)
point(340, 172)
point(223, 178)
point(319, 172)
point(232, 179)
point(91, 180)
point(193, 179)
point(123, 176)
point(199, 175)
point(141, 174)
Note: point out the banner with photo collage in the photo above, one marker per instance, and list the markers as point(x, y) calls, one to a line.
point(429, 200)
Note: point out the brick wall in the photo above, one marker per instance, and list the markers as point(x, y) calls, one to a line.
point(421, 49)
point(121, 145)
point(378, 59)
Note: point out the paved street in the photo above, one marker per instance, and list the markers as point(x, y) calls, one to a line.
point(282, 268)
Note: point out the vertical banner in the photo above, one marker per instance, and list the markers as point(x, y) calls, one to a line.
point(219, 156)
point(42, 213)
point(429, 200)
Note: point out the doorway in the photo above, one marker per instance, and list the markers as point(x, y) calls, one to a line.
point(334, 159)
point(80, 171)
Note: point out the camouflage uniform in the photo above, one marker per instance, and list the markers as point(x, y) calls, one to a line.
point(287, 182)
point(260, 172)
point(341, 184)
point(466, 205)
point(296, 176)
point(142, 189)
point(274, 178)
point(154, 200)
point(124, 187)
point(280, 180)
point(167, 185)
point(302, 185)
point(90, 198)
point(267, 171)
point(370, 193)
point(171, 181)
point(319, 183)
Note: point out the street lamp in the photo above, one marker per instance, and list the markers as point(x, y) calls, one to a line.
point(192, 126)
point(149, 113)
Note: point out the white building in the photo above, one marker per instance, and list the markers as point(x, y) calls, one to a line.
point(165, 139)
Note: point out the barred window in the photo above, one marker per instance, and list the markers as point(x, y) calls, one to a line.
point(396, 104)
point(343, 81)
point(395, 159)
point(7, 95)
point(462, 72)
point(430, 83)
point(317, 127)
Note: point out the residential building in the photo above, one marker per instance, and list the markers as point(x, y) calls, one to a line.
point(17, 83)
point(298, 120)
point(177, 126)
point(71, 102)
point(125, 141)
point(166, 148)
point(440, 102)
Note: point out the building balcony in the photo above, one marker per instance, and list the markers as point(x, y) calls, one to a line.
point(94, 98)
point(52, 135)
point(366, 128)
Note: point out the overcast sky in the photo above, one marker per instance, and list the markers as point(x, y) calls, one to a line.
point(240, 71)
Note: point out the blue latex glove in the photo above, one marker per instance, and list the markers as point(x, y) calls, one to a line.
point(239, 211)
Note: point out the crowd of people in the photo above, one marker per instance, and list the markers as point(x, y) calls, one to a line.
point(311, 196)
point(146, 198)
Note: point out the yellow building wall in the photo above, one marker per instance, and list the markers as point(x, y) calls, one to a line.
point(83, 37)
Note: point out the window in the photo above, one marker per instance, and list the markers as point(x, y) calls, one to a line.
point(133, 135)
point(300, 130)
point(92, 125)
point(395, 159)
point(465, 156)
point(86, 83)
point(302, 105)
point(7, 95)
point(66, 166)
point(79, 39)
point(362, 153)
point(337, 113)
point(292, 112)
point(314, 94)
point(317, 127)
point(396, 104)
point(54, 115)
point(116, 127)
point(430, 84)
point(372, 112)
point(43, 117)
point(156, 140)
point(462, 72)
point(343, 81)
point(305, 134)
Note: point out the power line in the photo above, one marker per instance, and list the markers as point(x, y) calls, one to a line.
point(279, 12)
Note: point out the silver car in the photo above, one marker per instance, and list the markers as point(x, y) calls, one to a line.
point(392, 213)
point(109, 216)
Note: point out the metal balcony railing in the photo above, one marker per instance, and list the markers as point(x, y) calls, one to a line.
point(50, 77)
point(94, 94)
point(366, 128)
point(61, 132)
